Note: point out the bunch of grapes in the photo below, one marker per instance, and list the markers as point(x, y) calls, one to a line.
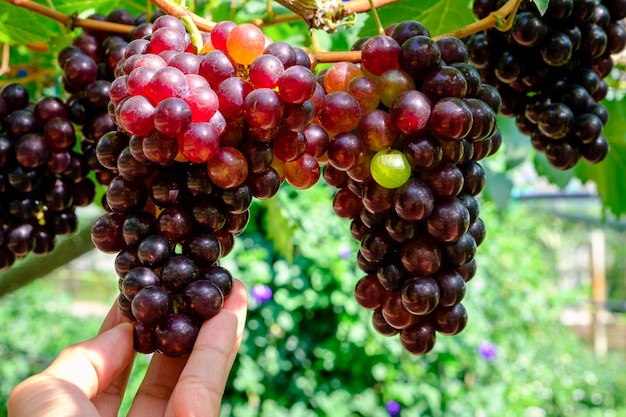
point(407, 128)
point(549, 70)
point(198, 137)
point(192, 138)
point(42, 178)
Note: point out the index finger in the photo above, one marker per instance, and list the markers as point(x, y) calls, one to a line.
point(202, 382)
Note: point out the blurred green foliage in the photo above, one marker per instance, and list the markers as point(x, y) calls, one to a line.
point(36, 323)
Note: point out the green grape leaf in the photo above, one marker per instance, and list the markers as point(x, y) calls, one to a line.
point(439, 16)
point(610, 174)
point(517, 146)
point(84, 8)
point(542, 5)
point(555, 176)
point(218, 10)
point(295, 33)
point(498, 187)
point(21, 26)
point(279, 227)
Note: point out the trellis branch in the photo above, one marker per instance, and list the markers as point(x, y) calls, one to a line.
point(71, 21)
point(501, 18)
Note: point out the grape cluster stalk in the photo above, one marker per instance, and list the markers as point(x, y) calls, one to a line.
point(408, 127)
point(550, 71)
point(42, 178)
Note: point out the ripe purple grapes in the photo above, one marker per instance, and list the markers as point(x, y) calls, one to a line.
point(549, 71)
point(42, 188)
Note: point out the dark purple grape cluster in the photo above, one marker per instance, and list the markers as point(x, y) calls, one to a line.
point(42, 178)
point(423, 106)
point(199, 135)
point(549, 70)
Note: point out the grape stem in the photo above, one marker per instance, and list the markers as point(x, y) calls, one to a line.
point(351, 6)
point(330, 57)
point(327, 15)
point(379, 24)
point(4, 67)
point(501, 19)
point(169, 7)
point(194, 32)
point(71, 21)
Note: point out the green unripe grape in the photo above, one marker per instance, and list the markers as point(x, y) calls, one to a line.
point(390, 168)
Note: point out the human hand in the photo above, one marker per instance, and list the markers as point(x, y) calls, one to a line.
point(89, 379)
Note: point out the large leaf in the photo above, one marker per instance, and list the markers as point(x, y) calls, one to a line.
point(498, 188)
point(554, 176)
point(516, 147)
point(279, 227)
point(610, 174)
point(83, 8)
point(21, 26)
point(439, 16)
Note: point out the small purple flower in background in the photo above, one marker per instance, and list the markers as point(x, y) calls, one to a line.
point(261, 293)
point(345, 252)
point(393, 408)
point(488, 350)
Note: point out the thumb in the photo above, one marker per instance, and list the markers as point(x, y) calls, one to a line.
point(92, 365)
point(79, 372)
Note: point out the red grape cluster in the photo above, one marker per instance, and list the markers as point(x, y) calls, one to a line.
point(198, 137)
point(42, 178)
point(549, 70)
point(408, 127)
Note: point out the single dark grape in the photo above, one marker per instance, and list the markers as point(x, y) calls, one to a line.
point(420, 295)
point(143, 338)
point(175, 335)
point(419, 338)
point(450, 320)
point(151, 304)
point(448, 221)
point(177, 272)
point(369, 293)
point(421, 256)
point(137, 279)
point(202, 299)
point(154, 250)
point(220, 277)
point(203, 249)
